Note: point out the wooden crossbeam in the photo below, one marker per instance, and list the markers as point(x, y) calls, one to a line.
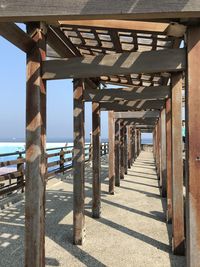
point(132, 105)
point(137, 114)
point(11, 32)
point(145, 121)
point(169, 60)
point(40, 10)
point(175, 29)
point(134, 93)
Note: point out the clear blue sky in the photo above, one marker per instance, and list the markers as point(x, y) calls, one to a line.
point(59, 100)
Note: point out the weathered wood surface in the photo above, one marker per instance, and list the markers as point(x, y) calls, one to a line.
point(193, 148)
point(125, 149)
point(78, 164)
point(96, 161)
point(137, 105)
point(176, 30)
point(111, 136)
point(117, 152)
point(177, 166)
point(138, 121)
point(39, 10)
point(169, 60)
point(129, 143)
point(137, 114)
point(169, 158)
point(163, 166)
point(11, 32)
point(128, 94)
point(35, 152)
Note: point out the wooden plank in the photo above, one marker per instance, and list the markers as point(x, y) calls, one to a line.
point(193, 148)
point(169, 158)
point(132, 105)
point(11, 32)
point(133, 145)
point(176, 30)
point(122, 169)
point(137, 114)
point(177, 166)
point(35, 152)
point(128, 94)
point(117, 152)
point(168, 60)
point(78, 165)
point(136, 144)
point(111, 131)
point(96, 161)
point(110, 9)
point(145, 121)
point(163, 169)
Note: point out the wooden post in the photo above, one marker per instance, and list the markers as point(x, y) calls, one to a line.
point(20, 167)
point(169, 158)
point(117, 152)
point(163, 168)
point(111, 131)
point(129, 136)
point(177, 166)
point(79, 164)
point(125, 150)
point(133, 145)
point(96, 161)
point(35, 150)
point(193, 148)
point(122, 170)
point(136, 144)
point(62, 160)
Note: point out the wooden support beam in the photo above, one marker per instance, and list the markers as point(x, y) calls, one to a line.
point(177, 167)
point(168, 60)
point(136, 121)
point(169, 158)
point(137, 114)
point(96, 161)
point(193, 148)
point(176, 30)
point(111, 132)
point(11, 32)
point(136, 144)
point(133, 145)
point(79, 164)
point(112, 9)
point(125, 149)
point(122, 170)
point(163, 166)
point(137, 105)
point(35, 151)
point(129, 136)
point(127, 94)
point(117, 152)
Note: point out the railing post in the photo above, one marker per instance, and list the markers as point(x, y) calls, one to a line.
point(62, 160)
point(20, 167)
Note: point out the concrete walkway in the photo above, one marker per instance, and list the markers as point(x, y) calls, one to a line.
point(131, 232)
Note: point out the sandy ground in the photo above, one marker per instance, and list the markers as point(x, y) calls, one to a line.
point(131, 232)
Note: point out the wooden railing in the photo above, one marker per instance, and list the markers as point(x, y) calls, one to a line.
point(12, 172)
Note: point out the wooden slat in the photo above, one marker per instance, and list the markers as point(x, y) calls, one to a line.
point(11, 32)
point(128, 94)
point(193, 148)
point(96, 161)
point(35, 152)
point(176, 30)
point(169, 60)
point(137, 114)
point(177, 167)
point(78, 165)
point(111, 131)
point(39, 10)
point(132, 105)
point(10, 175)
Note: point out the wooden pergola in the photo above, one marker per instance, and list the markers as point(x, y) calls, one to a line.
point(150, 49)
